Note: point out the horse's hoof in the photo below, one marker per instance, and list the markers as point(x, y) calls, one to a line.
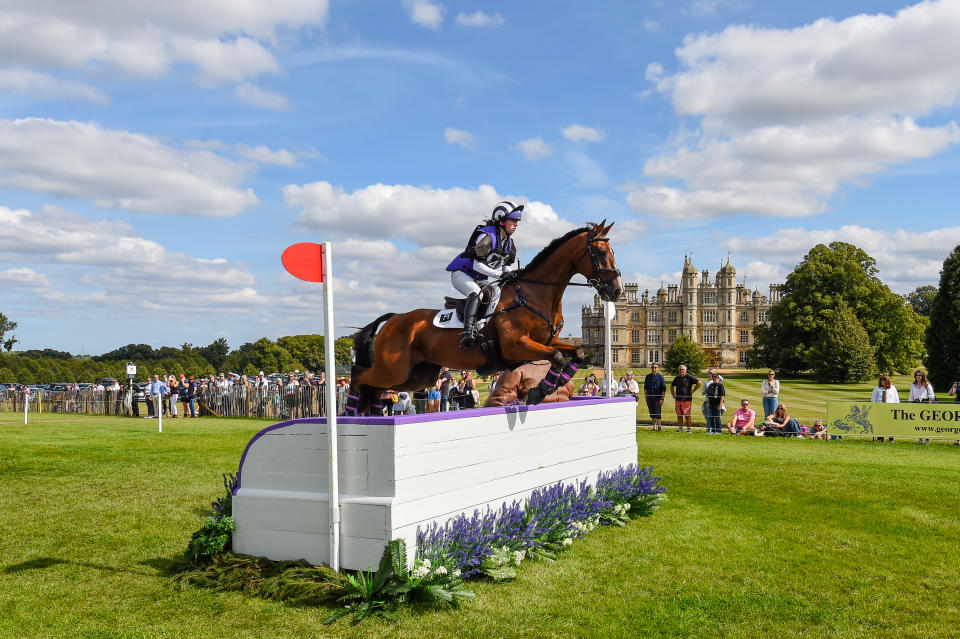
point(534, 396)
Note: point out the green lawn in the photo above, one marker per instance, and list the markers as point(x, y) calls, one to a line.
point(759, 537)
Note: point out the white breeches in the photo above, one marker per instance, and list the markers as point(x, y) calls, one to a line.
point(467, 285)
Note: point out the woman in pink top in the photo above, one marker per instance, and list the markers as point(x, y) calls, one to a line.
point(743, 422)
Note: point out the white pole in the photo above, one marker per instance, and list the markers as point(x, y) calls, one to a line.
point(158, 408)
point(26, 404)
point(609, 308)
point(332, 460)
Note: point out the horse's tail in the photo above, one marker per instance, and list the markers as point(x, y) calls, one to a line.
point(363, 341)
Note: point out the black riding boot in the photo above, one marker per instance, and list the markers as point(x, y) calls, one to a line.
point(469, 336)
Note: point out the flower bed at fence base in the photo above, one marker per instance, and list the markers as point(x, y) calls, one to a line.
point(485, 545)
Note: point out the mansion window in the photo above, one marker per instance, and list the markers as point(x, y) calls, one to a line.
point(671, 316)
point(653, 337)
point(634, 356)
point(653, 356)
point(710, 336)
point(615, 335)
point(744, 337)
point(635, 316)
point(596, 336)
point(672, 336)
point(729, 316)
point(615, 356)
point(635, 336)
point(653, 316)
point(709, 316)
point(763, 316)
point(709, 298)
point(743, 357)
point(729, 298)
point(744, 317)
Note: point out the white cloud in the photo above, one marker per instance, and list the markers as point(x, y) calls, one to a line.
point(426, 13)
point(25, 277)
point(265, 155)
point(119, 169)
point(479, 19)
point(458, 136)
point(586, 172)
point(226, 41)
point(430, 218)
point(262, 98)
point(905, 259)
point(651, 26)
point(41, 86)
point(702, 8)
point(791, 116)
point(534, 148)
point(580, 133)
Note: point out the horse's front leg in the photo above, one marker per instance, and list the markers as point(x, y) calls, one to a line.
point(560, 371)
point(572, 351)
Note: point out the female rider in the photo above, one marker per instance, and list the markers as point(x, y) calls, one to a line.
point(489, 255)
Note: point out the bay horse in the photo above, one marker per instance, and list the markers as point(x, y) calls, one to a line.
point(409, 350)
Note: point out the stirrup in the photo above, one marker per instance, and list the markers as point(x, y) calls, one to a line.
point(468, 339)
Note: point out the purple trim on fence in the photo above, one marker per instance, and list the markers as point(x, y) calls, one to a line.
point(399, 420)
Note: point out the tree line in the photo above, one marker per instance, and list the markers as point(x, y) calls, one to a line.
point(46, 366)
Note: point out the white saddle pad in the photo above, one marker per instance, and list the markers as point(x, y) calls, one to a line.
point(447, 318)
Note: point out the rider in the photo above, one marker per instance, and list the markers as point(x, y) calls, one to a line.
point(489, 255)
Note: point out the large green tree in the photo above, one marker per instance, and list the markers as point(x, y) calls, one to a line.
point(921, 298)
point(828, 279)
point(843, 352)
point(943, 335)
point(685, 351)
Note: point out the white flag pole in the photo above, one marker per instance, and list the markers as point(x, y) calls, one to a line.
point(158, 408)
point(609, 308)
point(26, 403)
point(333, 462)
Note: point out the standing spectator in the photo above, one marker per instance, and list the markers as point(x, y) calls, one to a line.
point(342, 388)
point(744, 420)
point(590, 386)
point(715, 397)
point(469, 390)
point(770, 391)
point(921, 390)
point(682, 389)
point(629, 386)
point(445, 379)
point(192, 390)
point(290, 395)
point(654, 392)
point(158, 390)
point(433, 398)
point(388, 398)
point(306, 394)
point(174, 395)
point(885, 391)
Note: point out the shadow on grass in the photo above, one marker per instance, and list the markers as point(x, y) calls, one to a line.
point(34, 564)
point(167, 566)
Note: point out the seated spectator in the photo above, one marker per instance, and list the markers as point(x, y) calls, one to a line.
point(885, 391)
point(818, 430)
point(780, 424)
point(743, 422)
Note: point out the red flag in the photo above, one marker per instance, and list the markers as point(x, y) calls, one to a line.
point(304, 261)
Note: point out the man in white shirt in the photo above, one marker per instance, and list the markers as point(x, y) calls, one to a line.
point(630, 385)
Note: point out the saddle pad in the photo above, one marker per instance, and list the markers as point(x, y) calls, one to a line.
point(447, 318)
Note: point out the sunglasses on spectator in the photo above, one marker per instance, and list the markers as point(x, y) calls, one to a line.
point(745, 404)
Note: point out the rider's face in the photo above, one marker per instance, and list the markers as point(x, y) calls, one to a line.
point(510, 226)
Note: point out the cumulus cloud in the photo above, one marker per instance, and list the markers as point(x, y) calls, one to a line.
point(119, 169)
point(262, 98)
point(580, 133)
point(426, 13)
point(265, 155)
point(479, 19)
point(424, 216)
point(904, 258)
point(534, 148)
point(460, 137)
point(651, 26)
point(25, 277)
point(226, 43)
point(790, 116)
point(41, 86)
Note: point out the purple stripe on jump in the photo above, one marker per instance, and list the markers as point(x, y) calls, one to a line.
point(399, 420)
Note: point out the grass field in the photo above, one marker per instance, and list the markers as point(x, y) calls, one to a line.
point(759, 537)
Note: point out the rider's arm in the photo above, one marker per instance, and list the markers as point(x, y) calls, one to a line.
point(481, 267)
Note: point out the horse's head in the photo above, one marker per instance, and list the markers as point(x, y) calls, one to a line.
point(597, 263)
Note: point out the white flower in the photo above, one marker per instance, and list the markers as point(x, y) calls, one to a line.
point(420, 572)
point(456, 574)
point(440, 570)
point(426, 563)
point(518, 556)
point(626, 507)
point(567, 541)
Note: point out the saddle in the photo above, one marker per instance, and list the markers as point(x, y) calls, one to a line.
point(456, 303)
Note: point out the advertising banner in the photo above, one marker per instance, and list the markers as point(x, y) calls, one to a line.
point(868, 419)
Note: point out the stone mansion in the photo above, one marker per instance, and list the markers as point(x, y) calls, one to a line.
point(718, 315)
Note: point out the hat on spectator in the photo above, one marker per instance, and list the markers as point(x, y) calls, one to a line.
point(261, 372)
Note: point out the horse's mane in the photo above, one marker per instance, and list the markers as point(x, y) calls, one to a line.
point(548, 250)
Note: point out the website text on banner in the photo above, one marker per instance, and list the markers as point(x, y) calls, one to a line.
point(868, 419)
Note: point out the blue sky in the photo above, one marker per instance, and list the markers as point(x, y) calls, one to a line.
point(156, 160)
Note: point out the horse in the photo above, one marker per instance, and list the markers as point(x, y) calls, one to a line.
point(409, 350)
